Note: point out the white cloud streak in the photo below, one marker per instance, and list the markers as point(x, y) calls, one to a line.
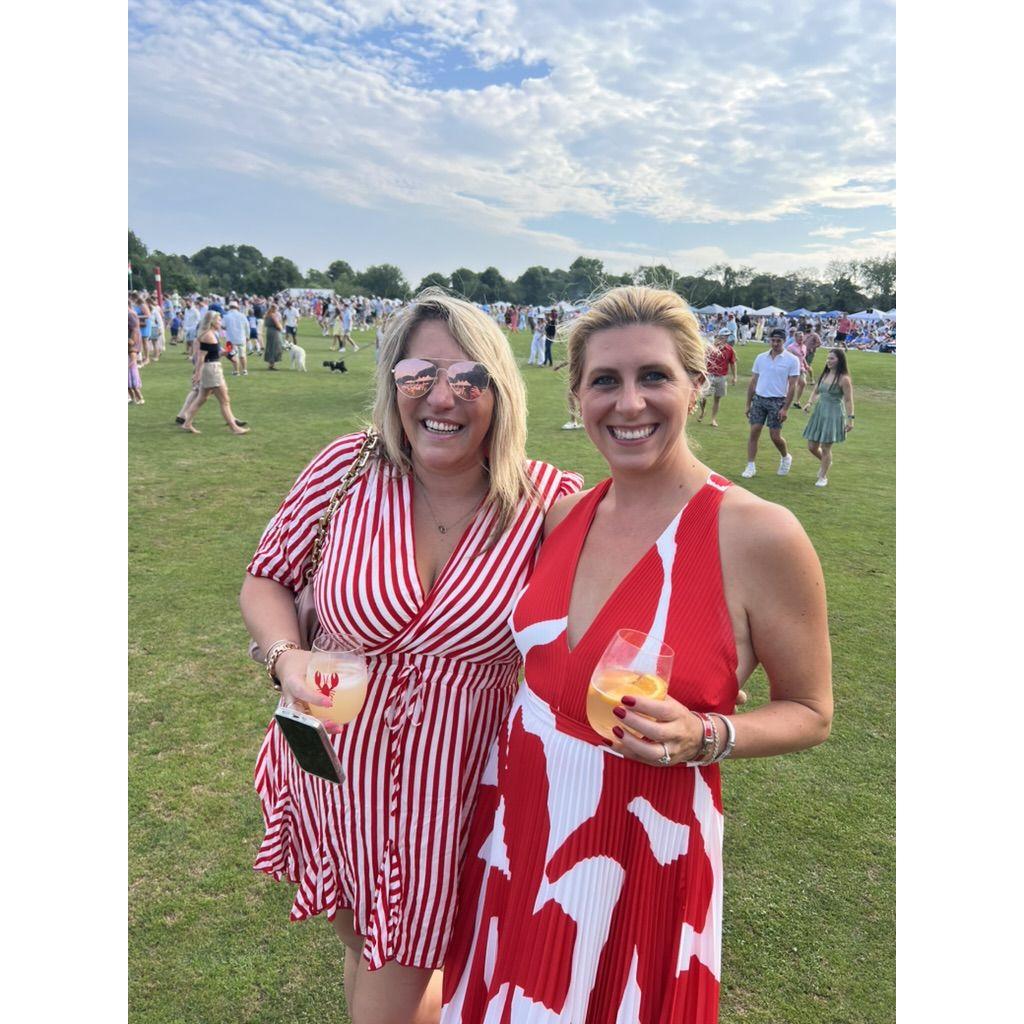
point(698, 113)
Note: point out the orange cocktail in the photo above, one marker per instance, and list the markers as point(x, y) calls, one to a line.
point(607, 688)
point(337, 669)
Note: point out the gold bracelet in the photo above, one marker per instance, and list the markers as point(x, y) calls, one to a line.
point(275, 652)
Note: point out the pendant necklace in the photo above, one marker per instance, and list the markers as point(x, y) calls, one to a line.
point(441, 528)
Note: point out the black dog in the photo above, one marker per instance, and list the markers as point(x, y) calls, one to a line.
point(339, 365)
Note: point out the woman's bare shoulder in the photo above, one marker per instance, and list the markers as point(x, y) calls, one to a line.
point(764, 548)
point(749, 525)
point(561, 508)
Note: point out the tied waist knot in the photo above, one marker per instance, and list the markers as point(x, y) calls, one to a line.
point(405, 704)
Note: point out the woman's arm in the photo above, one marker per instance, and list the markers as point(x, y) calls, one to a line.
point(847, 385)
point(774, 581)
point(268, 610)
point(200, 357)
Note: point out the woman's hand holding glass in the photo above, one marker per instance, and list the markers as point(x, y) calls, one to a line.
point(295, 691)
point(657, 722)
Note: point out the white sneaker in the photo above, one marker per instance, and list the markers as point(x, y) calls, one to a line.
point(784, 463)
point(822, 481)
point(749, 471)
point(569, 426)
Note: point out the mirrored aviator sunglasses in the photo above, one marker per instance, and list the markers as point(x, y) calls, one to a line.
point(415, 377)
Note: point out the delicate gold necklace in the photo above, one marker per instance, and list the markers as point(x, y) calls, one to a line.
point(441, 528)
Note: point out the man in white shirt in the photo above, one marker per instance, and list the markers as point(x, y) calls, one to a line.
point(346, 328)
point(291, 321)
point(769, 396)
point(236, 327)
point(191, 322)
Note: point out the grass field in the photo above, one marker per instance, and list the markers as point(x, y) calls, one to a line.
point(809, 841)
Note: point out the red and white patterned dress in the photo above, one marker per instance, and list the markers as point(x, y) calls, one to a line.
point(592, 889)
point(388, 843)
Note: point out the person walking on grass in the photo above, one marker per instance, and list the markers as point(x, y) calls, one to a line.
point(828, 425)
point(346, 328)
point(272, 340)
point(550, 327)
point(209, 377)
point(156, 333)
point(799, 349)
point(721, 357)
point(769, 396)
point(537, 345)
point(236, 326)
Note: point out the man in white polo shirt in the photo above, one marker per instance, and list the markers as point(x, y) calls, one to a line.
point(769, 396)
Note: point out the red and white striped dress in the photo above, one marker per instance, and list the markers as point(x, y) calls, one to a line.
point(592, 892)
point(389, 842)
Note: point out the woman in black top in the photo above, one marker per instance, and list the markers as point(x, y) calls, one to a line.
point(549, 335)
point(209, 377)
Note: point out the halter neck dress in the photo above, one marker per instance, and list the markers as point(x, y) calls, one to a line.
point(592, 891)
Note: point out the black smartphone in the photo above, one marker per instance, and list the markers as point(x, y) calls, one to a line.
point(310, 744)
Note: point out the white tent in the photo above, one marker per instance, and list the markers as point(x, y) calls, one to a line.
point(870, 315)
point(740, 310)
point(769, 311)
point(891, 315)
point(713, 308)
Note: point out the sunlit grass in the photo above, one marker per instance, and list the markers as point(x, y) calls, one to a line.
point(809, 916)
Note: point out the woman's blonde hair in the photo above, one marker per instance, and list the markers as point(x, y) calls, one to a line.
point(206, 324)
point(481, 340)
point(635, 304)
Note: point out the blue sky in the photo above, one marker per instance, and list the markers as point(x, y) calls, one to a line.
point(445, 133)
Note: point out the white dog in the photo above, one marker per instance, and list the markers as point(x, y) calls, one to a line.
point(298, 357)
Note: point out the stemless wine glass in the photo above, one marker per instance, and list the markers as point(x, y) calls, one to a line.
point(633, 663)
point(337, 669)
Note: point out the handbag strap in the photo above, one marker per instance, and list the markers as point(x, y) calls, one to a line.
point(369, 446)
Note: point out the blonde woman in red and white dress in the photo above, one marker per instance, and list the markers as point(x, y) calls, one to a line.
point(423, 560)
point(592, 890)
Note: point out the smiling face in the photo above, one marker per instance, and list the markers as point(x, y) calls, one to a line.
point(634, 396)
point(446, 434)
point(833, 361)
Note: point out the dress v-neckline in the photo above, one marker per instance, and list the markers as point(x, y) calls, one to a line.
point(584, 534)
point(426, 593)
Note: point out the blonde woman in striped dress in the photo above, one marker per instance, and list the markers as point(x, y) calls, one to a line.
point(422, 564)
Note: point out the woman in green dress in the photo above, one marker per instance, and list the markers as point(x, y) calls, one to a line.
point(272, 329)
point(828, 424)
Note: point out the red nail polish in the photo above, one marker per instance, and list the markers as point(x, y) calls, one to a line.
point(630, 702)
point(619, 712)
point(618, 732)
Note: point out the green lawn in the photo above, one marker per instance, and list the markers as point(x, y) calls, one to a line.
point(810, 862)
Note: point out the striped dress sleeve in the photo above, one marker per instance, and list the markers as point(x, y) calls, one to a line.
point(552, 483)
point(288, 539)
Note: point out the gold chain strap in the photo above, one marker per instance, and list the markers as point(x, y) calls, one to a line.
point(369, 446)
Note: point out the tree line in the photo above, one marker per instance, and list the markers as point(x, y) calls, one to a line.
point(845, 284)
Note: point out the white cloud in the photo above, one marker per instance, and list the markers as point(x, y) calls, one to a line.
point(705, 112)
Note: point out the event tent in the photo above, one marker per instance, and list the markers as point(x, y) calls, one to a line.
point(799, 312)
point(740, 310)
point(891, 315)
point(713, 308)
point(870, 315)
point(769, 311)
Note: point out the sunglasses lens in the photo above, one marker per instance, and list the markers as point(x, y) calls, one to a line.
point(414, 377)
point(468, 380)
